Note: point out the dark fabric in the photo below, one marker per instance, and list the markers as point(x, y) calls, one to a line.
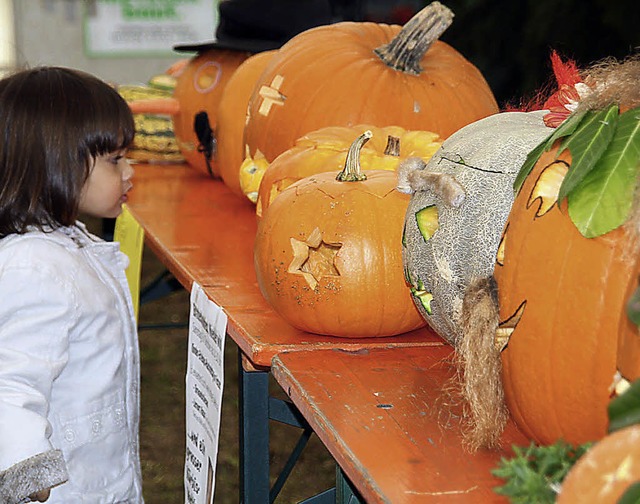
point(262, 25)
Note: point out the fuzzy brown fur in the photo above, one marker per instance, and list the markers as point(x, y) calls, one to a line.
point(480, 367)
point(612, 81)
point(413, 178)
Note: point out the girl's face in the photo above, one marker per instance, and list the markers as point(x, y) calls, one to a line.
point(106, 188)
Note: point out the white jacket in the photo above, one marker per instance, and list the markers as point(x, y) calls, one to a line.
point(69, 369)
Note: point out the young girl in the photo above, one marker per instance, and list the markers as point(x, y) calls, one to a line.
point(69, 362)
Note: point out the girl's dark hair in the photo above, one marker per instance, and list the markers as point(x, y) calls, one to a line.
point(54, 122)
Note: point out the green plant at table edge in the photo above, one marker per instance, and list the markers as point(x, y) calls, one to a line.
point(534, 474)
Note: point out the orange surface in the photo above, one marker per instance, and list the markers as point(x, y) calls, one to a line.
point(201, 231)
point(381, 414)
point(561, 358)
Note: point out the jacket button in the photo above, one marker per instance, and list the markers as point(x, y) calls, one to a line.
point(69, 436)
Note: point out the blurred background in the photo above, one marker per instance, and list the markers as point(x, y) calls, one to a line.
point(509, 41)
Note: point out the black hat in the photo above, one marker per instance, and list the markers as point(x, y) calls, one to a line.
point(262, 25)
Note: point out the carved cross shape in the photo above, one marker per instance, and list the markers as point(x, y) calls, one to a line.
point(271, 95)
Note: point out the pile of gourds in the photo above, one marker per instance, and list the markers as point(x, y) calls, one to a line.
point(391, 193)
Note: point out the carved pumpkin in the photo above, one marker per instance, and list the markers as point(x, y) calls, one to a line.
point(366, 73)
point(232, 115)
point(327, 254)
point(326, 150)
point(450, 241)
point(562, 294)
point(198, 90)
point(606, 471)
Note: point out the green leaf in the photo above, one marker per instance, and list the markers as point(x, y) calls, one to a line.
point(602, 200)
point(624, 410)
point(587, 144)
point(565, 129)
point(529, 163)
point(631, 495)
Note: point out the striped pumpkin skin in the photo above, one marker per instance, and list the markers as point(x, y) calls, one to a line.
point(154, 139)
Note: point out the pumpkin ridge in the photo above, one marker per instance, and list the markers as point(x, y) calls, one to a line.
point(601, 349)
point(557, 355)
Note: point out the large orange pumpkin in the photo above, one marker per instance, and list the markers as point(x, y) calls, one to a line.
point(198, 89)
point(563, 295)
point(232, 115)
point(352, 73)
point(328, 257)
point(326, 150)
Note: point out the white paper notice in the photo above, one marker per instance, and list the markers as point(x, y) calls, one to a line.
point(204, 384)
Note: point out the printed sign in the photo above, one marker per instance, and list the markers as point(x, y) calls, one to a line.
point(146, 27)
point(204, 385)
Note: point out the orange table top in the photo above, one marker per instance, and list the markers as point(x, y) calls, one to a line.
point(381, 414)
point(203, 232)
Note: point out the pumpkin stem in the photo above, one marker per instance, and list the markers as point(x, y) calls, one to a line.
point(352, 171)
point(405, 52)
point(393, 146)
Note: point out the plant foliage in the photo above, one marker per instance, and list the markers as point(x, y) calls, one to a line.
point(605, 152)
point(624, 410)
point(534, 474)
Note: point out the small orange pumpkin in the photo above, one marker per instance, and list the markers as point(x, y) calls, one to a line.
point(198, 89)
point(232, 114)
point(351, 73)
point(328, 254)
point(606, 471)
point(326, 150)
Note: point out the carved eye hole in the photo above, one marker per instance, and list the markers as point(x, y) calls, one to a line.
point(547, 187)
point(427, 220)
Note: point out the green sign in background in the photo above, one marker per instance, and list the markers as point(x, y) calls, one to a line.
point(116, 28)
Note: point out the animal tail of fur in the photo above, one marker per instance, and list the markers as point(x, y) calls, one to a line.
point(480, 367)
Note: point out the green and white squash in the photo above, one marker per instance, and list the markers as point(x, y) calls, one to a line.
point(460, 202)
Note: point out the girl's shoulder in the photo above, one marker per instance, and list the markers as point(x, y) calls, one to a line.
point(55, 248)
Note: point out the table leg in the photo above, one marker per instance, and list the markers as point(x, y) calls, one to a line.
point(254, 435)
point(345, 491)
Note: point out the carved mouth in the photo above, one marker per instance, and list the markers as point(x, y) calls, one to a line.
point(505, 328)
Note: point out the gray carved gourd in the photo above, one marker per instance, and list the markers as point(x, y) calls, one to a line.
point(460, 202)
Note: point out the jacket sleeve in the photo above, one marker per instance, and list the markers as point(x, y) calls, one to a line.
point(27, 477)
point(36, 313)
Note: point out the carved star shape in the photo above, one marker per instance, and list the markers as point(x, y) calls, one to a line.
point(313, 258)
